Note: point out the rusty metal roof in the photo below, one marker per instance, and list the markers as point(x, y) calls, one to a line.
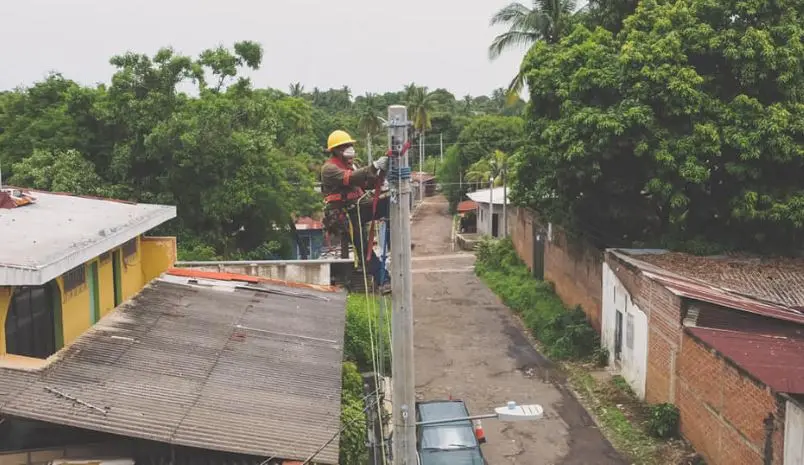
point(775, 360)
point(254, 370)
point(467, 206)
point(697, 289)
point(772, 279)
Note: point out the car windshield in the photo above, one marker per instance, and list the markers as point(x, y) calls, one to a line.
point(448, 437)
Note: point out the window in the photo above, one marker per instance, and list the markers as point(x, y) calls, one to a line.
point(31, 322)
point(130, 248)
point(74, 278)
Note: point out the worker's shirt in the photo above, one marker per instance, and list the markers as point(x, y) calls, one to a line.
point(342, 184)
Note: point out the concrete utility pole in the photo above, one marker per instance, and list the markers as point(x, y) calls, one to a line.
point(404, 391)
point(441, 146)
point(491, 206)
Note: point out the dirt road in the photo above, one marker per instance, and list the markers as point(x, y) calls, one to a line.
point(469, 345)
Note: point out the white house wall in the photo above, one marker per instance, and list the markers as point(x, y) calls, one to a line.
point(483, 219)
point(634, 354)
point(793, 432)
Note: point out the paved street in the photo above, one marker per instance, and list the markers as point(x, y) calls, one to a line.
point(469, 345)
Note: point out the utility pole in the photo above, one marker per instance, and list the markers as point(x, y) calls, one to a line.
point(404, 391)
point(491, 206)
point(441, 146)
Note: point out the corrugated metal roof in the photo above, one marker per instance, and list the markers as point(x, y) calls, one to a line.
point(59, 232)
point(776, 361)
point(482, 195)
point(697, 289)
point(467, 206)
point(243, 371)
point(773, 279)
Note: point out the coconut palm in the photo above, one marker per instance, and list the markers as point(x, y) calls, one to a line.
point(547, 21)
point(500, 166)
point(369, 119)
point(296, 89)
point(421, 103)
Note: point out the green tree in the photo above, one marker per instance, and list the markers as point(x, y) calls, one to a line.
point(370, 122)
point(684, 129)
point(546, 21)
point(58, 171)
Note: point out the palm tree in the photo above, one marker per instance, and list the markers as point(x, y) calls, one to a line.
point(500, 166)
point(547, 21)
point(347, 92)
point(480, 172)
point(369, 119)
point(468, 104)
point(421, 104)
point(296, 89)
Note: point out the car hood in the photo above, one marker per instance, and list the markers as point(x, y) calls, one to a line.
point(452, 457)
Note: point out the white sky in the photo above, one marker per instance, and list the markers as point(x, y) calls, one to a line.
point(437, 43)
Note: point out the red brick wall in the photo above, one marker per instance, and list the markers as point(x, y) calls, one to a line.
point(573, 265)
point(723, 410)
point(520, 229)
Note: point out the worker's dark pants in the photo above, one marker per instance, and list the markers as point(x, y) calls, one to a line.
point(374, 265)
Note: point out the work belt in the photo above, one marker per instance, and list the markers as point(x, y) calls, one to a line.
point(338, 197)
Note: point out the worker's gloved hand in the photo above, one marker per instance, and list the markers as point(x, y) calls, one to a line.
point(381, 164)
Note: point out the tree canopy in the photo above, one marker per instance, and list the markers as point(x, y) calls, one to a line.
point(239, 162)
point(684, 128)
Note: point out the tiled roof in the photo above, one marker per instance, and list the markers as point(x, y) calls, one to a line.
point(777, 280)
point(776, 361)
point(306, 222)
point(247, 368)
point(467, 206)
point(689, 286)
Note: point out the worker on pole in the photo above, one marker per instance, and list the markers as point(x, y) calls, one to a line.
point(347, 205)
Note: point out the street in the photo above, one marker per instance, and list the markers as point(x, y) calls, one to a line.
point(470, 346)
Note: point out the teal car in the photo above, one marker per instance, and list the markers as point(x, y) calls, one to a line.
point(452, 443)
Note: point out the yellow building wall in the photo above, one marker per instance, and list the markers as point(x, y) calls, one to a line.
point(75, 314)
point(131, 273)
point(158, 255)
point(5, 303)
point(153, 257)
point(106, 280)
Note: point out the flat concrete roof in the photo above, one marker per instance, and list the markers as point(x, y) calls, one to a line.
point(61, 231)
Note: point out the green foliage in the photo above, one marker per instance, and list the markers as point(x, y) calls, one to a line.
point(565, 333)
point(353, 418)
point(685, 128)
point(362, 320)
point(664, 420)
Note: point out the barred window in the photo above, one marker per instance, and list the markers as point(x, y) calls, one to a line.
point(130, 248)
point(74, 278)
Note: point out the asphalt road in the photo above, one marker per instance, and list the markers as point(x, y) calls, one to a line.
point(470, 346)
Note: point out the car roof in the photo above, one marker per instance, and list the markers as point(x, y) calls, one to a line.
point(452, 457)
point(443, 409)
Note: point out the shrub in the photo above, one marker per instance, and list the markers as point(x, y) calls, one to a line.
point(353, 418)
point(566, 334)
point(664, 419)
point(362, 319)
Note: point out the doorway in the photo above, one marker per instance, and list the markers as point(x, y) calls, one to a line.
point(618, 336)
point(117, 278)
point(495, 226)
point(94, 294)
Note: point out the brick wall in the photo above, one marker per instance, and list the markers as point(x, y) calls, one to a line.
point(573, 265)
point(723, 410)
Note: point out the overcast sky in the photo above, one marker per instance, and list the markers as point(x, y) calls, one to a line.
point(370, 45)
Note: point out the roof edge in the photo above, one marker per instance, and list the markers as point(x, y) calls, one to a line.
point(11, 275)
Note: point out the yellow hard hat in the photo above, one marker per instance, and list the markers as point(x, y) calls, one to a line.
point(338, 138)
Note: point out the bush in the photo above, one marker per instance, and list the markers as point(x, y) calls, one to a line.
point(663, 422)
point(353, 418)
point(362, 319)
point(565, 334)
